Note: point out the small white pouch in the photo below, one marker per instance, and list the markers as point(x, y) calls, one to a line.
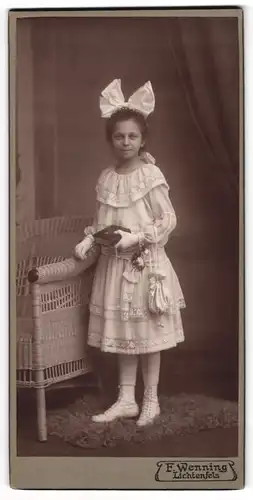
point(159, 300)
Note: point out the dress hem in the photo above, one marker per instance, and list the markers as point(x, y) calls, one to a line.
point(135, 350)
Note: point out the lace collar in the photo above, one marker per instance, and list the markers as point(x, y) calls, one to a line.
point(121, 190)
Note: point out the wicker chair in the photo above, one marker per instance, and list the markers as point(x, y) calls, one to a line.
point(52, 312)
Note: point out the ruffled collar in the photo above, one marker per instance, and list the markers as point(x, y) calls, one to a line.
point(121, 190)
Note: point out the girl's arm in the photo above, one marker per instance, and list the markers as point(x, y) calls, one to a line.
point(90, 230)
point(81, 249)
point(164, 220)
point(164, 217)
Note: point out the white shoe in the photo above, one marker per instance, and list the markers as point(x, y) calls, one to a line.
point(150, 411)
point(120, 409)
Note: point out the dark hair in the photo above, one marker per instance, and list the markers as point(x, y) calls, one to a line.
point(124, 114)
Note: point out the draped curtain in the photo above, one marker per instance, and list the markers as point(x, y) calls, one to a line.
point(205, 53)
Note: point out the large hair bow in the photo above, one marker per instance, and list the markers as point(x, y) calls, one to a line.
point(112, 98)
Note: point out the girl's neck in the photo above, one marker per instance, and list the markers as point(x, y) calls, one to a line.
point(128, 166)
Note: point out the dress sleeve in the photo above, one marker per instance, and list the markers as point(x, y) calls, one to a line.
point(92, 229)
point(87, 242)
point(164, 217)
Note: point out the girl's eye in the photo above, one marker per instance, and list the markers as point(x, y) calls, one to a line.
point(119, 137)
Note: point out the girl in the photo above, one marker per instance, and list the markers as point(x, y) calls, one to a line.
point(136, 297)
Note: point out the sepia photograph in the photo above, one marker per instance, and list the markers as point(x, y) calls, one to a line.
point(126, 172)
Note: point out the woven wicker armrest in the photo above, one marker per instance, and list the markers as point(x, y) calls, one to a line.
point(67, 268)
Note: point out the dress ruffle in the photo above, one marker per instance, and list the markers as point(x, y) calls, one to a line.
point(122, 190)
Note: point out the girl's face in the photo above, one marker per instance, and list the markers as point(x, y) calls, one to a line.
point(126, 140)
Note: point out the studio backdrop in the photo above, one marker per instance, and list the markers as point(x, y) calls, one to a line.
point(193, 64)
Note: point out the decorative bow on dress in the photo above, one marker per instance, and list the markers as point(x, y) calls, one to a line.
point(112, 98)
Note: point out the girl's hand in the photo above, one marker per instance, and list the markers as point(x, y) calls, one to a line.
point(127, 240)
point(83, 247)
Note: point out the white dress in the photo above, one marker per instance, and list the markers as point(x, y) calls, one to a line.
point(120, 320)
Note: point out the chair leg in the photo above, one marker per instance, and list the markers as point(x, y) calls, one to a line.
point(41, 414)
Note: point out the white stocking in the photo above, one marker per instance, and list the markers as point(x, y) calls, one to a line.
point(150, 364)
point(127, 376)
point(151, 372)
